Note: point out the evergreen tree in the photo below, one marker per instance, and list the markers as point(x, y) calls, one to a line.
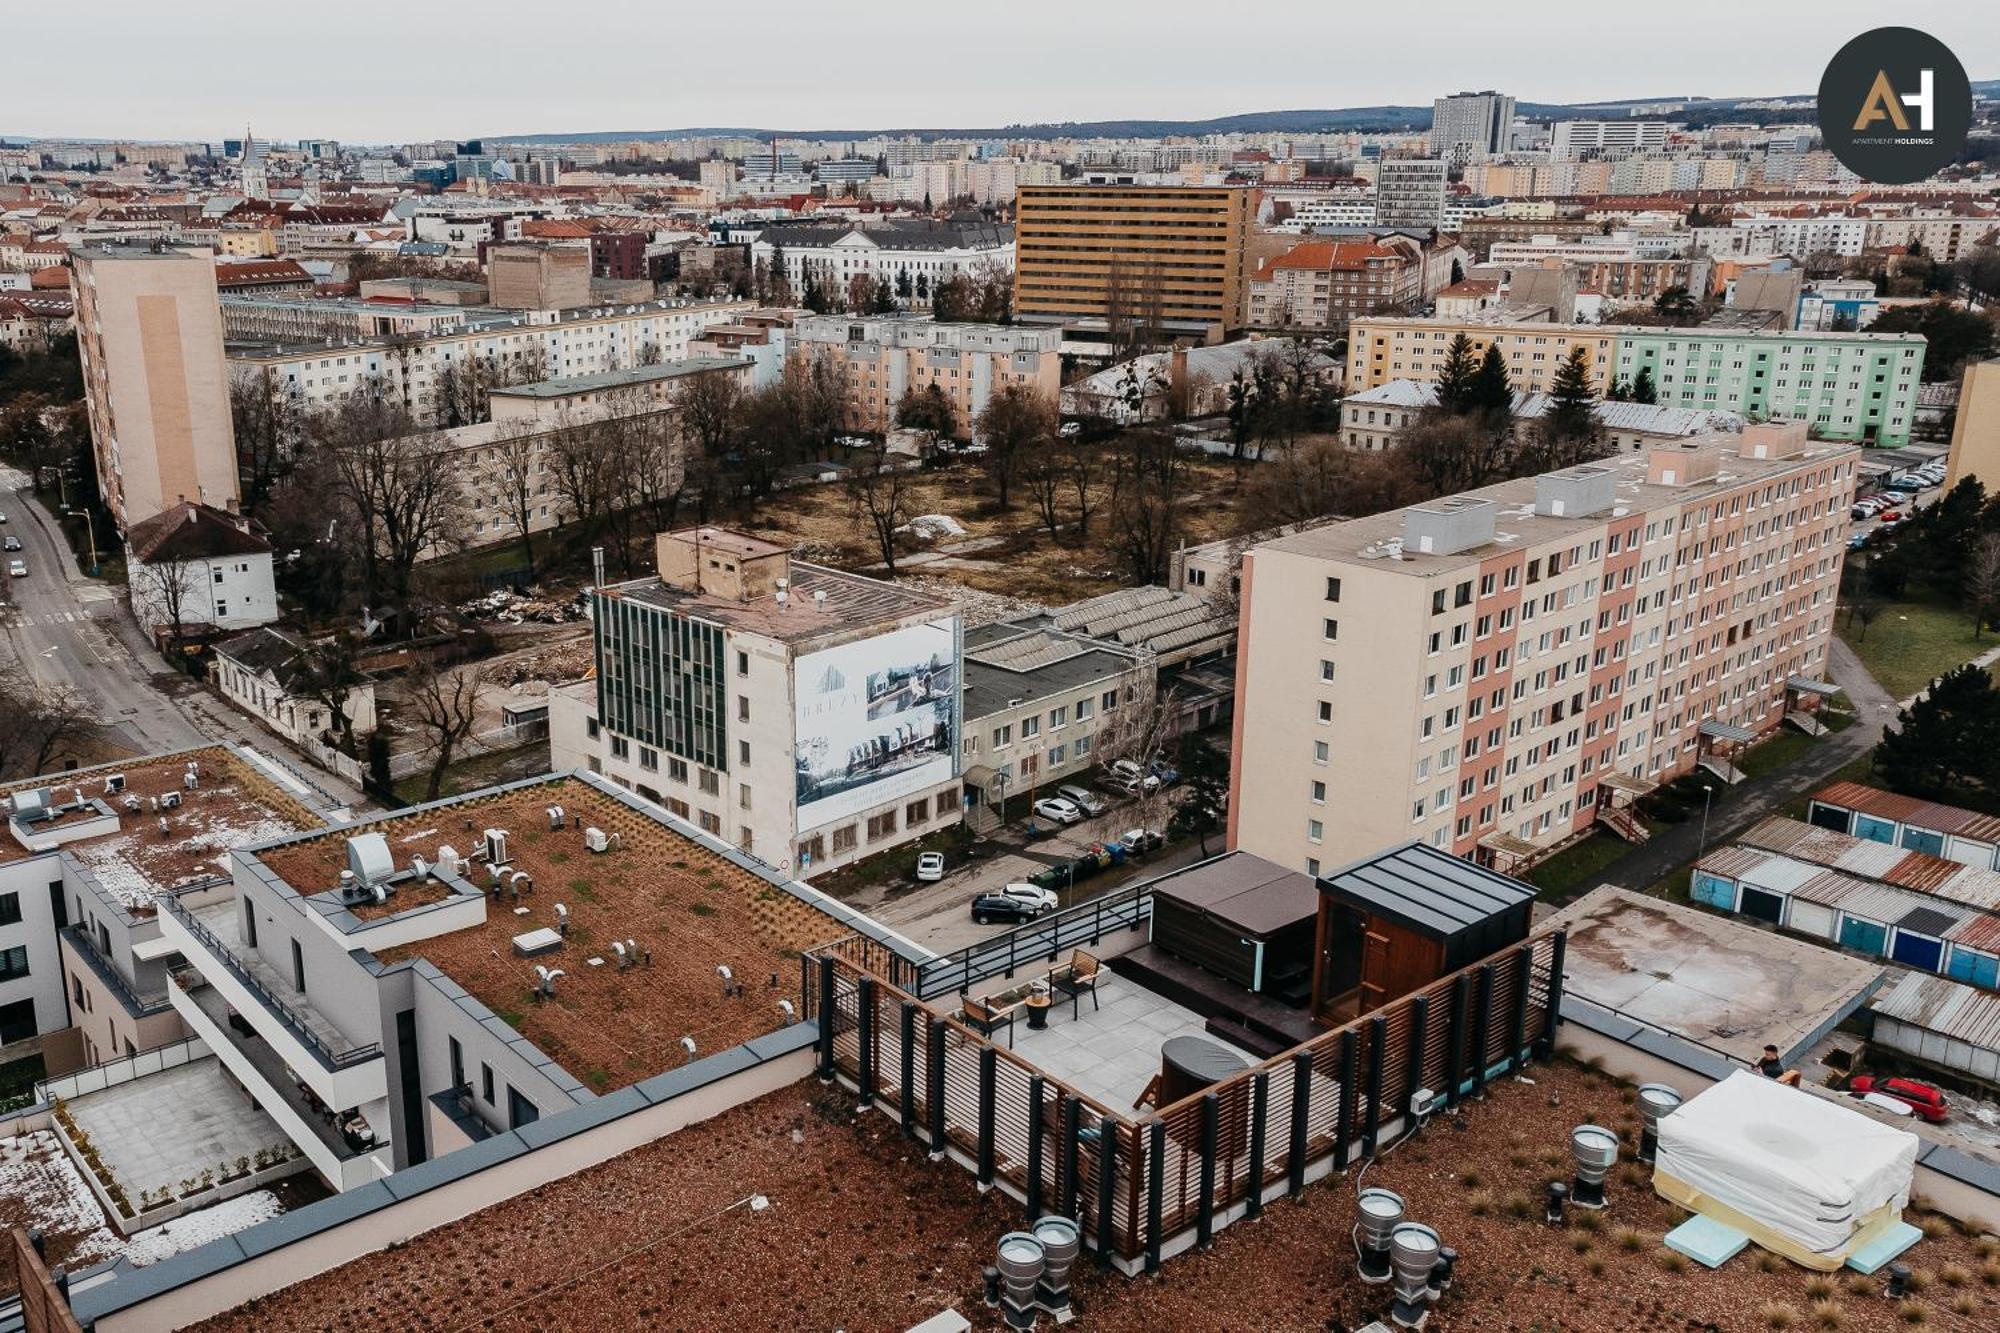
point(1643, 390)
point(1946, 745)
point(1571, 399)
point(1457, 273)
point(885, 300)
point(1204, 793)
point(1454, 381)
point(1491, 393)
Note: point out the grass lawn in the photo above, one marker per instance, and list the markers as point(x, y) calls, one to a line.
point(480, 771)
point(1910, 644)
point(1787, 747)
point(1564, 876)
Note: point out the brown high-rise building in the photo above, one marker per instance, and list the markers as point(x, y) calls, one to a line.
point(1171, 259)
point(149, 331)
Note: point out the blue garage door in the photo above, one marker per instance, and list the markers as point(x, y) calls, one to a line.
point(1918, 951)
point(1975, 969)
point(1715, 891)
point(1873, 829)
point(1923, 840)
point(1863, 935)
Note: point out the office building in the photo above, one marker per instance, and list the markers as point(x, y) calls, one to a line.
point(880, 358)
point(1486, 672)
point(1324, 284)
point(808, 716)
point(1471, 127)
point(1573, 139)
point(1174, 256)
point(1409, 192)
point(154, 379)
point(912, 256)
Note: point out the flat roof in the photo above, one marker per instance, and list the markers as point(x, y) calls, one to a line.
point(670, 1232)
point(1377, 539)
point(617, 379)
point(1426, 889)
point(852, 602)
point(693, 904)
point(1008, 664)
point(1247, 892)
point(1710, 979)
point(233, 806)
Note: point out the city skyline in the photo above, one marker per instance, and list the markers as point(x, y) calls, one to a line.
point(453, 75)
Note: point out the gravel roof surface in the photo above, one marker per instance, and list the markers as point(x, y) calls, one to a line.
point(862, 1233)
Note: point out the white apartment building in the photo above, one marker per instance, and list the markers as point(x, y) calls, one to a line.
point(522, 345)
point(807, 716)
point(1471, 127)
point(198, 570)
point(1572, 139)
point(913, 255)
point(1488, 672)
point(259, 672)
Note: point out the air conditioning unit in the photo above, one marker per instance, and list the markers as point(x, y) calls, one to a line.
point(1424, 1101)
point(596, 840)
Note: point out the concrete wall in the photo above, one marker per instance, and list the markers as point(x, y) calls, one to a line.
point(29, 882)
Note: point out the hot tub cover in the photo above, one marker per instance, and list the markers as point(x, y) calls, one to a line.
point(1808, 1168)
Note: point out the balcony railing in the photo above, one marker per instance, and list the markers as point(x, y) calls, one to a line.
point(135, 1004)
point(294, 1022)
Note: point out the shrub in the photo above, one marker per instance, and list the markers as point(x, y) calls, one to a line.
point(1827, 1314)
point(1913, 1312)
point(1776, 1314)
point(1631, 1239)
point(1820, 1288)
point(1673, 1261)
point(1954, 1275)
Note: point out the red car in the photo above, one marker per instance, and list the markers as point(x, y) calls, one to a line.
point(1924, 1100)
point(1891, 515)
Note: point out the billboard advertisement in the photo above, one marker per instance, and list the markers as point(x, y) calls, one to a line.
point(875, 720)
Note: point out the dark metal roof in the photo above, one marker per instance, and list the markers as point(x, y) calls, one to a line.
point(1244, 892)
point(1428, 890)
point(1927, 921)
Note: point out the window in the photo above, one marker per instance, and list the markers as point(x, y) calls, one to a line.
point(742, 708)
point(298, 967)
point(1315, 830)
point(742, 663)
point(1319, 793)
point(10, 909)
point(844, 839)
point(881, 826)
point(1108, 700)
point(17, 1021)
point(1030, 727)
point(1319, 752)
point(1058, 717)
point(1330, 630)
point(14, 963)
point(520, 1111)
point(1325, 711)
point(457, 1063)
point(649, 759)
point(917, 812)
point(1332, 589)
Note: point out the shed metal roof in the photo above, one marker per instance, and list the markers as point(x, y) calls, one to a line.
point(1909, 810)
point(1426, 889)
point(1929, 921)
point(1944, 1007)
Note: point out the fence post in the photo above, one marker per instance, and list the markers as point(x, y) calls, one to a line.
point(1371, 1123)
point(1553, 1019)
point(1481, 1026)
point(989, 1061)
point(1343, 1110)
point(1096, 923)
point(1012, 936)
point(1517, 1027)
point(829, 1010)
point(864, 1030)
point(1107, 1189)
point(1454, 1042)
point(1204, 1216)
point(1156, 1185)
point(1260, 1105)
point(906, 1073)
point(934, 1098)
point(1420, 1019)
point(1295, 1167)
point(1035, 1085)
point(1072, 1132)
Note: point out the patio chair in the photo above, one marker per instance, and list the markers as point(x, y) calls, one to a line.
point(1076, 979)
point(986, 1019)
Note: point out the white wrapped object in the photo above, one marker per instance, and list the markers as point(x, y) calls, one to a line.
point(1808, 1168)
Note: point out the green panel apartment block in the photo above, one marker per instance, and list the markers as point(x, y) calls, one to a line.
point(1858, 387)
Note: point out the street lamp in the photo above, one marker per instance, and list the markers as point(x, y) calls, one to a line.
point(1707, 794)
point(90, 532)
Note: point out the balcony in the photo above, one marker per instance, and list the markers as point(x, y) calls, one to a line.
point(341, 1072)
point(136, 1005)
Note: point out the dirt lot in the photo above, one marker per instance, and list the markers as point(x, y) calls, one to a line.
point(861, 1233)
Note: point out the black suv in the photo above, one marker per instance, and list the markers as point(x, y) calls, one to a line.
point(1000, 907)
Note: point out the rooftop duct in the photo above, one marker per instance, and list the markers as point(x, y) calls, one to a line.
point(368, 857)
point(1021, 1263)
point(1381, 1212)
point(1448, 526)
point(1595, 1150)
point(1413, 1254)
point(1575, 492)
point(1656, 1102)
point(1062, 1241)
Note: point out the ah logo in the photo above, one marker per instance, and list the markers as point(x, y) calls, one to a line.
point(1895, 106)
point(1884, 103)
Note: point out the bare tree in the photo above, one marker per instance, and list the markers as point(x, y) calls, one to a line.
point(269, 425)
point(1135, 740)
point(518, 464)
point(41, 723)
point(445, 705)
point(326, 671)
point(397, 492)
point(1149, 475)
point(878, 485)
point(163, 588)
point(1083, 469)
point(711, 412)
point(583, 466)
point(1982, 581)
point(1042, 472)
point(1016, 421)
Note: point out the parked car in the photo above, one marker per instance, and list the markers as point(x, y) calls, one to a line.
point(17, 568)
point(1056, 808)
point(1083, 798)
point(1864, 509)
point(1127, 776)
point(1857, 541)
point(1891, 516)
point(13, 542)
point(930, 867)
point(999, 907)
point(1925, 1101)
point(1166, 773)
point(1136, 840)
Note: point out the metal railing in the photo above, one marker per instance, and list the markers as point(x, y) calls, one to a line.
point(293, 1022)
point(123, 1069)
point(1043, 939)
point(114, 980)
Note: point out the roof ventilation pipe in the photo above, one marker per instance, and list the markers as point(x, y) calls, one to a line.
point(1381, 1211)
point(1596, 1152)
point(1656, 1102)
point(1413, 1253)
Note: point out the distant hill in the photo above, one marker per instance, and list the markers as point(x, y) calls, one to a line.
point(1359, 119)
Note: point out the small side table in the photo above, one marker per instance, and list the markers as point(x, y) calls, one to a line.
point(1038, 1011)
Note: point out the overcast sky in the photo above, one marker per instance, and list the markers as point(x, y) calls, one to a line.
point(372, 71)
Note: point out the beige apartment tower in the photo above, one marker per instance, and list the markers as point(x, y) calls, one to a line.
point(149, 331)
point(1493, 672)
point(1174, 256)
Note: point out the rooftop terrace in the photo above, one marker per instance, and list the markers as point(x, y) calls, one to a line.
point(860, 1233)
point(663, 886)
point(851, 602)
point(233, 805)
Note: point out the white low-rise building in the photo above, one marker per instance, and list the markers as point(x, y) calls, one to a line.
point(260, 673)
point(197, 571)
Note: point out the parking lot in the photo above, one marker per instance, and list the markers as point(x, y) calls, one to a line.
point(1880, 504)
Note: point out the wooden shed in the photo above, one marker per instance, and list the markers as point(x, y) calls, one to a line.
point(1398, 920)
point(1242, 918)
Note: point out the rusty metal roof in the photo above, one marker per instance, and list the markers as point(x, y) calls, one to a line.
point(1944, 1007)
point(1930, 815)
